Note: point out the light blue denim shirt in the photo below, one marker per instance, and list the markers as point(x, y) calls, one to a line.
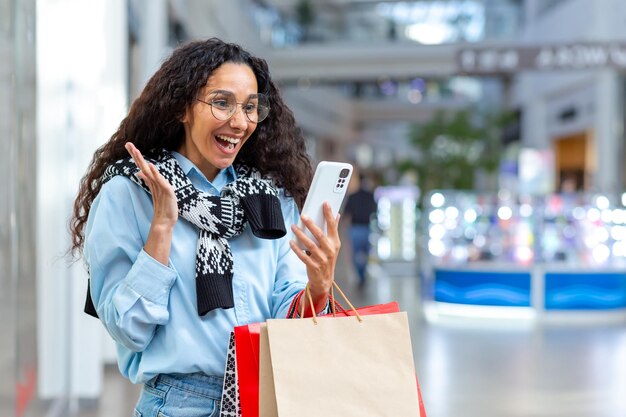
point(150, 309)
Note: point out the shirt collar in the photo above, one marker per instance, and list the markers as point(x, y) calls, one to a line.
point(225, 176)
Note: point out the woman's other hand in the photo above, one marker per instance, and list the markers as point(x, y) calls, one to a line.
point(320, 259)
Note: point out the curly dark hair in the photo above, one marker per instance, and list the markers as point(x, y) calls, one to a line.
point(276, 148)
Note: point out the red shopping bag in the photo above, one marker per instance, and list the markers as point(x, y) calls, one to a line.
point(247, 353)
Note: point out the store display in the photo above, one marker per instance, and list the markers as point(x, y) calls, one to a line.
point(577, 230)
point(494, 250)
point(396, 221)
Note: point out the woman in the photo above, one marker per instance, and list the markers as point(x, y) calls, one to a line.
point(189, 237)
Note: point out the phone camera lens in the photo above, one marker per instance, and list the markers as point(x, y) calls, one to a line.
point(344, 173)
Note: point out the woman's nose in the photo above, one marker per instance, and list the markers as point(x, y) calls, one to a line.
point(239, 119)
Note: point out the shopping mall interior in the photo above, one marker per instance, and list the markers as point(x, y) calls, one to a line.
point(490, 131)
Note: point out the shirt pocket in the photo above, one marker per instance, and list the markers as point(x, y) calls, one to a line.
point(241, 300)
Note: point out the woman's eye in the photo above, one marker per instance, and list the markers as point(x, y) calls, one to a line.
point(250, 108)
point(220, 104)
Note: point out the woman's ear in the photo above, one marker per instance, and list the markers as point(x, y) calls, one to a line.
point(185, 117)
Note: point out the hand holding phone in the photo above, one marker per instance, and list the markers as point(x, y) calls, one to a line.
point(330, 183)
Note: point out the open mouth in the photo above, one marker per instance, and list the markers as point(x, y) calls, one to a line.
point(226, 142)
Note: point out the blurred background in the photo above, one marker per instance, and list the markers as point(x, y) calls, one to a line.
point(490, 133)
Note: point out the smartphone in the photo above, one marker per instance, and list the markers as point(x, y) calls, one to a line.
point(330, 183)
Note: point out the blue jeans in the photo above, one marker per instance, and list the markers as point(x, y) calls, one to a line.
point(180, 395)
point(360, 237)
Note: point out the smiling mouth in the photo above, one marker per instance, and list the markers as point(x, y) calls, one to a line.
point(227, 142)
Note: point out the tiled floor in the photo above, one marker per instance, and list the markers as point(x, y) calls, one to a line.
point(483, 368)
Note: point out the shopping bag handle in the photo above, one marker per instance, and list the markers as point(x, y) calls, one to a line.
point(307, 290)
point(332, 299)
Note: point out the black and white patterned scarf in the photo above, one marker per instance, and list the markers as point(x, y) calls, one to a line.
point(250, 199)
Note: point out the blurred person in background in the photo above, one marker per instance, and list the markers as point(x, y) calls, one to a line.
point(187, 237)
point(359, 208)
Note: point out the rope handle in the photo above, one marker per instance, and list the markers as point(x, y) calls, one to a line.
point(307, 291)
point(353, 308)
point(336, 304)
point(333, 303)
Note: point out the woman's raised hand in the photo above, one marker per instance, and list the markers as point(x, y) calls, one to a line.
point(159, 239)
point(163, 197)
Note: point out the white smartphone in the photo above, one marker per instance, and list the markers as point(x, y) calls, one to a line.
point(330, 183)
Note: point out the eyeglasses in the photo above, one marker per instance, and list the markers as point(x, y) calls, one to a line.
point(224, 105)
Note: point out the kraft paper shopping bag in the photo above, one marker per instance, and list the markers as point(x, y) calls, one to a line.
point(248, 365)
point(343, 366)
point(254, 368)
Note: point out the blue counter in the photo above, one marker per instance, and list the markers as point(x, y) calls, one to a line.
point(542, 289)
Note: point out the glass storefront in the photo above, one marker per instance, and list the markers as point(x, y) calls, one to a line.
point(424, 22)
point(18, 307)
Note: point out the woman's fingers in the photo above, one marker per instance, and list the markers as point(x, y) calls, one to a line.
point(320, 251)
point(137, 156)
point(332, 229)
point(328, 241)
point(302, 237)
point(147, 171)
point(314, 229)
point(160, 180)
point(303, 255)
point(163, 196)
point(147, 177)
point(332, 222)
point(144, 168)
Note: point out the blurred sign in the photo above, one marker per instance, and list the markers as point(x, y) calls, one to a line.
point(536, 171)
point(499, 60)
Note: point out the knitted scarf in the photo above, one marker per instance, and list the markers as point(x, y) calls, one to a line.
point(250, 199)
